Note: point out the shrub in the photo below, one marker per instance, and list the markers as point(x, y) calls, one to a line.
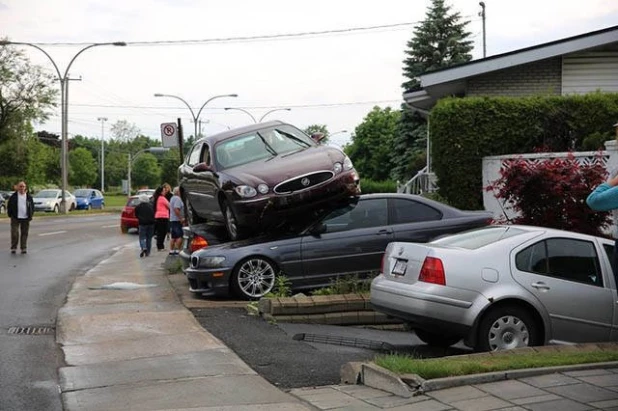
point(371, 186)
point(552, 193)
point(351, 284)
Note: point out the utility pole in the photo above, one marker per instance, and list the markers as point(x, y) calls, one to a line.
point(102, 120)
point(482, 14)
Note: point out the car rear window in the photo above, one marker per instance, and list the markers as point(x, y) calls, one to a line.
point(132, 202)
point(480, 237)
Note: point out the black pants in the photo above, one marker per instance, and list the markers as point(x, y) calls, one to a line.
point(19, 226)
point(161, 229)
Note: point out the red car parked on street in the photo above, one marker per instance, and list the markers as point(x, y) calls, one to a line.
point(127, 218)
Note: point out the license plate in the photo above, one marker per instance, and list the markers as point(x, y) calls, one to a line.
point(400, 267)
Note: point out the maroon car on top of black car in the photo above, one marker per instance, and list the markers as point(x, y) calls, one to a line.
point(249, 177)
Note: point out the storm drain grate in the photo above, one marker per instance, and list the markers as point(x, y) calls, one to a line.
point(346, 341)
point(32, 330)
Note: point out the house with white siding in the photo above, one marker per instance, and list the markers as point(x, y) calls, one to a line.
point(574, 65)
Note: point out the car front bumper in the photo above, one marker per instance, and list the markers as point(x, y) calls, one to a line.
point(129, 222)
point(44, 207)
point(209, 282)
point(273, 206)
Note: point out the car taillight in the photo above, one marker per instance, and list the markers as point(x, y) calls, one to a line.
point(197, 243)
point(432, 271)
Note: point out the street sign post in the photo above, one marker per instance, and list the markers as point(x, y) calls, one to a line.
point(169, 135)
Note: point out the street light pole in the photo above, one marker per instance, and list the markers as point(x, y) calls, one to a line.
point(273, 110)
point(243, 110)
point(64, 104)
point(102, 120)
point(195, 117)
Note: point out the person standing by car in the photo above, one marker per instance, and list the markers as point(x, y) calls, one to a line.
point(605, 198)
point(20, 209)
point(144, 212)
point(162, 214)
point(177, 213)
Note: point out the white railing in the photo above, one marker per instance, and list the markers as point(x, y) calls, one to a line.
point(422, 182)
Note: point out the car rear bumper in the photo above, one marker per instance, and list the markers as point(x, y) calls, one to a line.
point(129, 222)
point(428, 311)
point(208, 282)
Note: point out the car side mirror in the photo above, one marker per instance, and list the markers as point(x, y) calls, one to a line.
point(201, 167)
point(318, 229)
point(317, 137)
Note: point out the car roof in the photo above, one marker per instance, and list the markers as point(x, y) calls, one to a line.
point(553, 231)
point(215, 138)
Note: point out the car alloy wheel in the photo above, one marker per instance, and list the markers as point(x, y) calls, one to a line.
point(253, 278)
point(506, 328)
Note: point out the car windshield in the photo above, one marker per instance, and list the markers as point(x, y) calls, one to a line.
point(479, 237)
point(47, 194)
point(82, 193)
point(260, 145)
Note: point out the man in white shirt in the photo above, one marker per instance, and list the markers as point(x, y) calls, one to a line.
point(20, 209)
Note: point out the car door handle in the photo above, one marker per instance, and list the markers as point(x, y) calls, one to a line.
point(382, 232)
point(540, 286)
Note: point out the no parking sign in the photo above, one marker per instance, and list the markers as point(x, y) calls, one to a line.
point(169, 134)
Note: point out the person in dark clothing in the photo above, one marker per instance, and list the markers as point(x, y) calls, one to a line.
point(20, 209)
point(162, 214)
point(144, 212)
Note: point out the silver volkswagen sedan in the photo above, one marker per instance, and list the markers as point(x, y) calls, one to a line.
point(502, 287)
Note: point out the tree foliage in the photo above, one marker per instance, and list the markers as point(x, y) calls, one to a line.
point(145, 171)
point(552, 193)
point(440, 41)
point(83, 168)
point(169, 167)
point(372, 143)
point(124, 131)
point(26, 93)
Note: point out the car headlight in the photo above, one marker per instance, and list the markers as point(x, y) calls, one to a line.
point(263, 188)
point(347, 163)
point(207, 262)
point(337, 168)
point(246, 191)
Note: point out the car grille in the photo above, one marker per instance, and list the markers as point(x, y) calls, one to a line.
point(303, 182)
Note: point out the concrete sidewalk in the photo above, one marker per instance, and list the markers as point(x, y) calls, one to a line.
point(130, 344)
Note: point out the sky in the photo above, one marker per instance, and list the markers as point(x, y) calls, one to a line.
point(333, 79)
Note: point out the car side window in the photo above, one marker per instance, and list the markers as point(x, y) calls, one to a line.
point(206, 155)
point(566, 259)
point(366, 214)
point(194, 155)
point(410, 211)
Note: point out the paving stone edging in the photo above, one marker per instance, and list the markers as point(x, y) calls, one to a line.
point(407, 385)
point(339, 309)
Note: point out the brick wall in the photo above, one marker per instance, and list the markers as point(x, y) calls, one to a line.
point(542, 77)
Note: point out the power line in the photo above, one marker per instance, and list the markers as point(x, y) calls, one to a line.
point(242, 39)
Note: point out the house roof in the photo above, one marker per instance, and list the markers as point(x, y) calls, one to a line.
point(451, 80)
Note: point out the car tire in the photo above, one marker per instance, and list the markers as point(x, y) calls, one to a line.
point(56, 209)
point(234, 231)
point(72, 207)
point(124, 229)
point(253, 278)
point(436, 340)
point(507, 327)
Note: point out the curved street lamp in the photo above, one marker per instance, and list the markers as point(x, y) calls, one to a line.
point(195, 117)
point(134, 156)
point(243, 110)
point(64, 102)
point(273, 110)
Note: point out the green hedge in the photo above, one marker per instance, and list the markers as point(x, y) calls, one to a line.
point(370, 186)
point(464, 130)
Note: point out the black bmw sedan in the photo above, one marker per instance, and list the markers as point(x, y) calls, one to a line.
point(312, 251)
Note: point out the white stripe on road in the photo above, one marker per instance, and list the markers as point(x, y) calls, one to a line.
point(110, 226)
point(52, 233)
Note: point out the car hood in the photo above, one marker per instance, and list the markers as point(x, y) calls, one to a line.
point(284, 167)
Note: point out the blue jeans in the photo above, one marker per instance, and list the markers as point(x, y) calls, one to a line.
point(145, 237)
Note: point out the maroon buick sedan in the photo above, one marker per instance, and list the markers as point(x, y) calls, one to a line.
point(251, 177)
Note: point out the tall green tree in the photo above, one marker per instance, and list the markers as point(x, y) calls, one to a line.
point(83, 167)
point(145, 171)
point(439, 41)
point(169, 167)
point(372, 143)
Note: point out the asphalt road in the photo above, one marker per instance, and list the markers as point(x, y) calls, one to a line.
point(274, 353)
point(32, 288)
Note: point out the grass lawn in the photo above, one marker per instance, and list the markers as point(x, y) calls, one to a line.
point(115, 201)
point(454, 366)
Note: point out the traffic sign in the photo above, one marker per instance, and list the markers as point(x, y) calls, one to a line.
point(169, 134)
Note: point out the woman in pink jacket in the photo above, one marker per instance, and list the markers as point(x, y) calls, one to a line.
point(162, 214)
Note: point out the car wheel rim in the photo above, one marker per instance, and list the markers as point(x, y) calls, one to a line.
point(230, 221)
point(508, 332)
point(256, 278)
